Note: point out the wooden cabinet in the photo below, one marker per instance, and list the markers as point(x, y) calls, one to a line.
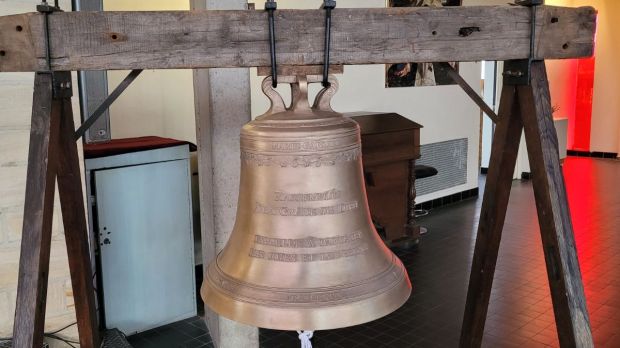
point(390, 146)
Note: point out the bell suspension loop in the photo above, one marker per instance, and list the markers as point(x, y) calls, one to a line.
point(304, 337)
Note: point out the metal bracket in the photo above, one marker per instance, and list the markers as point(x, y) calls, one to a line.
point(61, 81)
point(61, 85)
point(46, 9)
point(529, 2)
point(518, 72)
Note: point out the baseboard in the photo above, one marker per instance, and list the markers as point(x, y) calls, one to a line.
point(595, 154)
point(447, 200)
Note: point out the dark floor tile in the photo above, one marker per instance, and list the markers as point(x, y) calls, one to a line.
point(139, 343)
point(192, 330)
point(193, 343)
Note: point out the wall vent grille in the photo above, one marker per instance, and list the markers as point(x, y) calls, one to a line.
point(450, 160)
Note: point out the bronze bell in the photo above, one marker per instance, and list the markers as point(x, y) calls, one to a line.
point(303, 253)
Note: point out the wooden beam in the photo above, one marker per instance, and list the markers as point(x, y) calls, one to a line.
point(206, 39)
point(571, 314)
point(494, 205)
point(76, 234)
point(303, 70)
point(38, 211)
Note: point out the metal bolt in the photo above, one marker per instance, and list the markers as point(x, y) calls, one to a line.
point(511, 73)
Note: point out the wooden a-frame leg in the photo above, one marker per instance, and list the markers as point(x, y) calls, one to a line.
point(497, 191)
point(76, 234)
point(52, 152)
point(38, 212)
point(565, 282)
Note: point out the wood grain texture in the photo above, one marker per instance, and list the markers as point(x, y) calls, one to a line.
point(571, 315)
point(76, 233)
point(205, 39)
point(496, 194)
point(38, 212)
point(387, 190)
point(18, 51)
point(300, 70)
point(390, 146)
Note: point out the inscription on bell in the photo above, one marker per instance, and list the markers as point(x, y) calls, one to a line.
point(306, 211)
point(307, 197)
point(309, 145)
point(309, 242)
point(290, 257)
point(301, 161)
point(351, 241)
point(316, 298)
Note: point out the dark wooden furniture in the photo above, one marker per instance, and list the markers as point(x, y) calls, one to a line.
point(390, 146)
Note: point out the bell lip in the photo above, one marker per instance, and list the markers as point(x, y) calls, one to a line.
point(322, 318)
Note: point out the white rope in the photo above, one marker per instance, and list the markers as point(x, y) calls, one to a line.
point(304, 337)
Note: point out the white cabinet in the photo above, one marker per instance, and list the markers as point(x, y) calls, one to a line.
point(142, 218)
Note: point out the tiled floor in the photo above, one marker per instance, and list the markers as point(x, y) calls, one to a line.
point(520, 314)
point(189, 333)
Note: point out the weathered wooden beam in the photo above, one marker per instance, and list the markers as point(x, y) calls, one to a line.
point(34, 258)
point(494, 206)
point(69, 180)
point(207, 39)
point(569, 303)
point(294, 70)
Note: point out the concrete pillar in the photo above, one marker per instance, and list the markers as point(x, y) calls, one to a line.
point(222, 101)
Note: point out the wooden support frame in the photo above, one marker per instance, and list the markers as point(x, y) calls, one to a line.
point(206, 39)
point(528, 108)
point(236, 38)
point(53, 156)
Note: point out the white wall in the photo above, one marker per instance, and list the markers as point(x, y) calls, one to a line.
point(605, 134)
point(445, 111)
point(159, 102)
point(605, 131)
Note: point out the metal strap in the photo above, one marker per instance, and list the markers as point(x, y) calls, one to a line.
point(107, 102)
point(270, 7)
point(46, 9)
point(518, 72)
point(328, 6)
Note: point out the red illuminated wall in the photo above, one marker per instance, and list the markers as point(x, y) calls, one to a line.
point(580, 126)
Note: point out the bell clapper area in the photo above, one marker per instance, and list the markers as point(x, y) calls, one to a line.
point(304, 337)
